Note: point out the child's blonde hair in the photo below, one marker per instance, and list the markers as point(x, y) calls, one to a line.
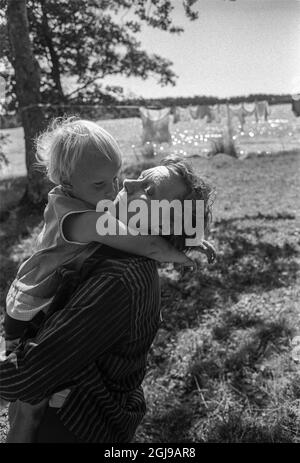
point(61, 146)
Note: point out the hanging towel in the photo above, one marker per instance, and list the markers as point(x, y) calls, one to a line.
point(204, 110)
point(223, 110)
point(262, 110)
point(249, 109)
point(155, 115)
point(200, 112)
point(194, 112)
point(155, 125)
point(249, 106)
point(216, 113)
point(238, 112)
point(175, 113)
point(296, 105)
point(181, 114)
point(236, 109)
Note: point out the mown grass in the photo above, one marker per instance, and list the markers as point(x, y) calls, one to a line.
point(220, 369)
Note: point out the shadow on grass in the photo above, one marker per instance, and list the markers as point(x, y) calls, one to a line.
point(239, 362)
point(247, 262)
point(254, 259)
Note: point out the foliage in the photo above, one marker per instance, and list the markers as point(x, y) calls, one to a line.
point(87, 40)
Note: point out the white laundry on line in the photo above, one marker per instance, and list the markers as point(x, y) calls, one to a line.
point(155, 125)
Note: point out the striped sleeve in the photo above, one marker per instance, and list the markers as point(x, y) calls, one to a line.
point(71, 339)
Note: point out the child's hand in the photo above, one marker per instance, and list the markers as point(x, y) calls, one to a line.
point(208, 249)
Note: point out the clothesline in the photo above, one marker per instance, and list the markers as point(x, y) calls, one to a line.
point(84, 106)
point(201, 111)
point(119, 106)
point(64, 106)
point(156, 120)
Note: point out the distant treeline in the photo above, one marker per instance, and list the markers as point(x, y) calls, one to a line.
point(113, 111)
point(210, 100)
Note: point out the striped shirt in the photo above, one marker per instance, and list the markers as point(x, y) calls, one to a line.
point(96, 344)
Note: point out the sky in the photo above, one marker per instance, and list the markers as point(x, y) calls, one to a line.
point(234, 48)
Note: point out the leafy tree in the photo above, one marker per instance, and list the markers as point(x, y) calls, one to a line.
point(88, 40)
point(44, 41)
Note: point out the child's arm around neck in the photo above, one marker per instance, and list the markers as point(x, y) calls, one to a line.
point(82, 228)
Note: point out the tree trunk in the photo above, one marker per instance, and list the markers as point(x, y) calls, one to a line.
point(28, 94)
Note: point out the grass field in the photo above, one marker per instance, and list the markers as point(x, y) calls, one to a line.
point(221, 367)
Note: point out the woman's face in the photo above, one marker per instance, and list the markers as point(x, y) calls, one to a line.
point(157, 183)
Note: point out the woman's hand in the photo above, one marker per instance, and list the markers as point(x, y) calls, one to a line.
point(206, 248)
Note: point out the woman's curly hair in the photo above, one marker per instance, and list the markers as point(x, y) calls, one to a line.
point(198, 189)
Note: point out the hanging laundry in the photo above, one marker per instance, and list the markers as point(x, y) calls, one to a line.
point(262, 110)
point(238, 112)
point(216, 113)
point(200, 112)
point(204, 111)
point(249, 108)
point(223, 110)
point(175, 113)
point(236, 109)
point(181, 114)
point(296, 105)
point(155, 125)
point(194, 112)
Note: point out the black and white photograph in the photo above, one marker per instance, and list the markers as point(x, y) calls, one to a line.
point(149, 224)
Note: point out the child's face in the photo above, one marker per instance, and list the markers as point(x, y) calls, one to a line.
point(95, 178)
